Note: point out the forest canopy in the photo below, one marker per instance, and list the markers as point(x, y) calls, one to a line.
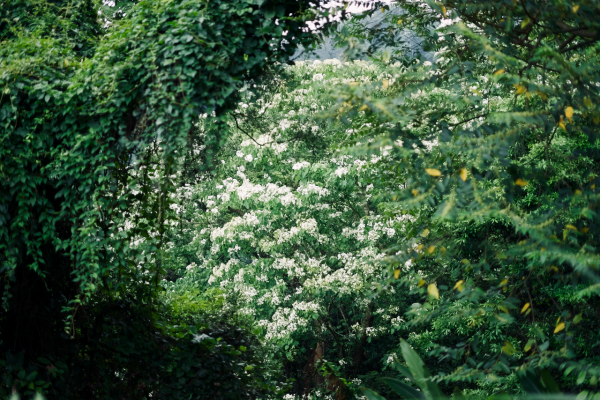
point(186, 212)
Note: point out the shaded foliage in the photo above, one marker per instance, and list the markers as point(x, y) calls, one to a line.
point(94, 111)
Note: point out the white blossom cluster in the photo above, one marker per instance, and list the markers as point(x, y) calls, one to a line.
point(281, 232)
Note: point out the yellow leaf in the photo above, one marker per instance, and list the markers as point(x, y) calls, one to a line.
point(562, 125)
point(508, 348)
point(397, 274)
point(530, 343)
point(353, 83)
point(542, 95)
point(504, 282)
point(559, 327)
point(520, 182)
point(525, 22)
point(444, 11)
point(421, 282)
point(459, 285)
point(499, 72)
point(578, 192)
point(553, 268)
point(585, 229)
point(66, 63)
point(433, 172)
point(382, 9)
point(399, 21)
point(433, 290)
point(569, 113)
point(431, 249)
point(525, 307)
point(587, 102)
point(415, 192)
point(575, 9)
point(571, 227)
point(577, 318)
point(425, 232)
point(385, 83)
point(363, 108)
point(463, 174)
point(558, 320)
point(521, 89)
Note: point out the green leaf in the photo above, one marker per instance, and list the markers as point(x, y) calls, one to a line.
point(371, 395)
point(403, 389)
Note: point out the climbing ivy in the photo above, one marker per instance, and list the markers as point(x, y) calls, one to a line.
point(94, 109)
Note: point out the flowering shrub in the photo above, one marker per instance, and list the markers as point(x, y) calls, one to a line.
point(290, 232)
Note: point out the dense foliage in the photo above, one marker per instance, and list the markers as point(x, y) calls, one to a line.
point(183, 216)
point(451, 203)
point(505, 238)
point(94, 109)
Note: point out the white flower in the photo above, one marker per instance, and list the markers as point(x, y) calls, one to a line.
point(249, 158)
point(239, 154)
point(341, 171)
point(300, 165)
point(318, 77)
point(200, 338)
point(284, 124)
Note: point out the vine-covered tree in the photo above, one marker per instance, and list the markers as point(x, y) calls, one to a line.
point(94, 109)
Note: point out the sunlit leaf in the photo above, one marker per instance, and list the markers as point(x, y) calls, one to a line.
point(521, 182)
point(459, 285)
point(508, 348)
point(528, 345)
point(433, 290)
point(569, 113)
point(562, 125)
